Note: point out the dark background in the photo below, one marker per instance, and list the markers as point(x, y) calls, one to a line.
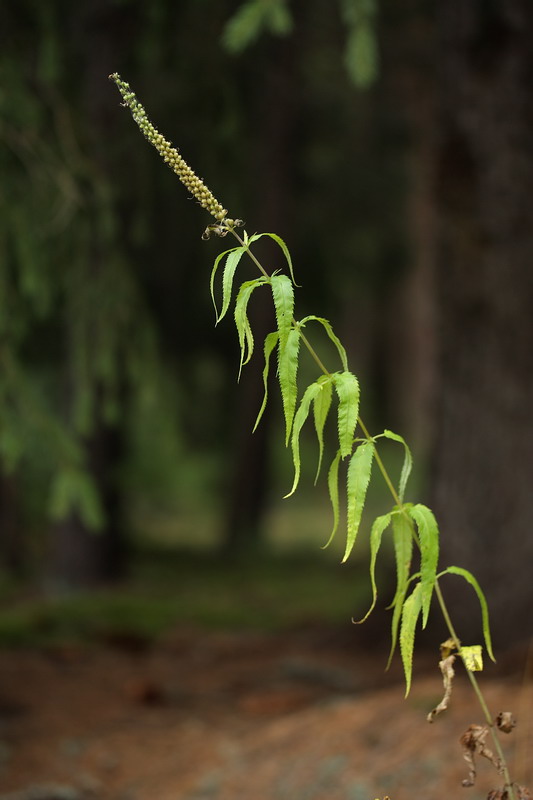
point(401, 181)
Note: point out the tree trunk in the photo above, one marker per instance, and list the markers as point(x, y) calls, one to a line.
point(483, 467)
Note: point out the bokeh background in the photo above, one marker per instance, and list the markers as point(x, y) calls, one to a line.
point(391, 145)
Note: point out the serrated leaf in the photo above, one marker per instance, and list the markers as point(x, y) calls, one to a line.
point(347, 387)
point(283, 295)
point(335, 339)
point(321, 406)
point(359, 470)
point(244, 331)
point(283, 246)
point(407, 462)
point(271, 341)
point(218, 259)
point(472, 656)
point(428, 534)
point(299, 419)
point(469, 578)
point(410, 613)
point(397, 605)
point(287, 372)
point(402, 536)
point(378, 528)
point(333, 489)
point(232, 262)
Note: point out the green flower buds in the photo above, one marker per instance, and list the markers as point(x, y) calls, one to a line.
point(169, 154)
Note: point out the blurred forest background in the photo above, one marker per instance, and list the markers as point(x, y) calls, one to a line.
point(391, 145)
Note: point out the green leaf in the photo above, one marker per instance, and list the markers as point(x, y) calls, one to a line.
point(397, 604)
point(402, 535)
point(271, 341)
point(428, 534)
point(232, 262)
point(321, 406)
point(299, 419)
point(333, 489)
point(246, 339)
point(283, 294)
point(347, 387)
point(329, 330)
point(283, 247)
point(407, 462)
point(218, 259)
point(469, 578)
point(410, 613)
point(287, 371)
point(359, 470)
point(378, 528)
point(244, 27)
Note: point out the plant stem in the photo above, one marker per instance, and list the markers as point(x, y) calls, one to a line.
point(443, 607)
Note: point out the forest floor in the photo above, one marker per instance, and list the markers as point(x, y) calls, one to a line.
point(307, 714)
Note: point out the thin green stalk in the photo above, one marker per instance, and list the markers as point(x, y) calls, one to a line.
point(443, 607)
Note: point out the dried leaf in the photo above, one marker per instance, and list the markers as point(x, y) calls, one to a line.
point(505, 721)
point(448, 673)
point(473, 743)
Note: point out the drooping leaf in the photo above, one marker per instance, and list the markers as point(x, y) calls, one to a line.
point(244, 331)
point(378, 528)
point(218, 259)
point(407, 462)
point(287, 372)
point(469, 578)
point(410, 613)
point(402, 535)
point(397, 605)
point(232, 262)
point(333, 489)
point(283, 247)
point(361, 55)
point(283, 294)
point(428, 534)
point(74, 489)
point(359, 470)
point(335, 339)
point(321, 406)
point(271, 341)
point(299, 419)
point(347, 387)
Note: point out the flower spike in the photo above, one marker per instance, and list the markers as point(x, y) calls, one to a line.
point(169, 154)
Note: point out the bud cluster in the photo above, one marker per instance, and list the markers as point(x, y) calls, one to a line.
point(170, 154)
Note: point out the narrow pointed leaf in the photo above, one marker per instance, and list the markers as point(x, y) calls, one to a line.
point(397, 605)
point(469, 578)
point(407, 462)
point(299, 419)
point(333, 489)
point(321, 406)
point(428, 534)
point(232, 262)
point(347, 387)
point(283, 294)
point(218, 259)
point(244, 331)
point(271, 341)
point(378, 528)
point(287, 371)
point(335, 339)
point(283, 246)
point(359, 471)
point(402, 535)
point(410, 613)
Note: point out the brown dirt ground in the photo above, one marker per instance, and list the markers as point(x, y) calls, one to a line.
point(307, 715)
